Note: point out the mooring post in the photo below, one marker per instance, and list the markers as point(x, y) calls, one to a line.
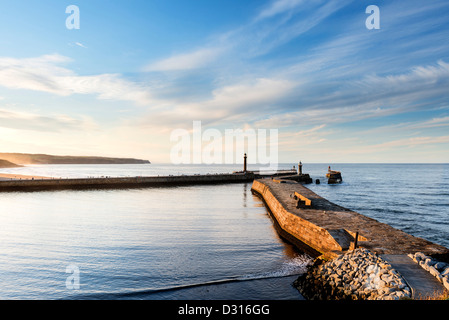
point(356, 240)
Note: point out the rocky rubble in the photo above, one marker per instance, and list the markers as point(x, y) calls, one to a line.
point(356, 275)
point(438, 269)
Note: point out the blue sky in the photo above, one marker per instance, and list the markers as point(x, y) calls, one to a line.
point(137, 70)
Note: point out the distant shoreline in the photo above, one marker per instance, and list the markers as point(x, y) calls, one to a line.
point(13, 176)
point(26, 158)
point(8, 164)
point(17, 160)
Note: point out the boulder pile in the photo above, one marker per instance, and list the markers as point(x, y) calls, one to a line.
point(356, 275)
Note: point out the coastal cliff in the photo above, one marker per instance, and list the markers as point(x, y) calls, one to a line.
point(8, 164)
point(25, 158)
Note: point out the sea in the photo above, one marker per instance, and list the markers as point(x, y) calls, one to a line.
point(202, 242)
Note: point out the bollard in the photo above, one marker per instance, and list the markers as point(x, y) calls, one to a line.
point(356, 240)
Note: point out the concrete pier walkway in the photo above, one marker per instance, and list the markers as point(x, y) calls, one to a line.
point(330, 230)
point(422, 283)
point(29, 183)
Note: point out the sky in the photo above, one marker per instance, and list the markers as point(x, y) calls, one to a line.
point(136, 71)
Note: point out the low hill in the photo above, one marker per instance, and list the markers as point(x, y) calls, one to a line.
point(25, 158)
point(7, 164)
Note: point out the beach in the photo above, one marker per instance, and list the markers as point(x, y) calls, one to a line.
point(11, 176)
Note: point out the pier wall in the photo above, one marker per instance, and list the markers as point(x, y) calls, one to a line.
point(17, 184)
point(317, 239)
point(343, 270)
point(330, 229)
point(125, 182)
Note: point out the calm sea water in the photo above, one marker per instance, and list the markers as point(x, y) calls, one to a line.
point(410, 197)
point(189, 242)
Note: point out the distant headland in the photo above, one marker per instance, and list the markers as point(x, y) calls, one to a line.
point(10, 160)
point(7, 164)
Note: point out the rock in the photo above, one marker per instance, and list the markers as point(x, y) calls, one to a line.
point(440, 266)
point(429, 262)
point(356, 275)
point(394, 272)
point(387, 277)
point(372, 269)
point(445, 272)
point(446, 283)
point(383, 271)
point(400, 295)
point(389, 290)
point(420, 256)
point(434, 272)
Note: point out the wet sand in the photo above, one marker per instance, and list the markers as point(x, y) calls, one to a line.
point(9, 176)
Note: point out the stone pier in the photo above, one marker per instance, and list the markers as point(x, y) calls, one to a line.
point(329, 229)
point(133, 182)
point(356, 257)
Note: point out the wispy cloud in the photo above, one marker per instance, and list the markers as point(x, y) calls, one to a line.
point(313, 136)
point(186, 61)
point(79, 44)
point(325, 82)
point(46, 74)
point(49, 123)
point(277, 7)
point(242, 87)
point(372, 96)
point(406, 143)
point(227, 103)
point(309, 68)
point(255, 38)
point(410, 128)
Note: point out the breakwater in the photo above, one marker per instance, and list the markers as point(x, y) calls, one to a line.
point(121, 182)
point(132, 182)
point(355, 275)
point(328, 229)
point(356, 257)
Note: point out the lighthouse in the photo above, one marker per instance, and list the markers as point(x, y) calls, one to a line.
point(244, 163)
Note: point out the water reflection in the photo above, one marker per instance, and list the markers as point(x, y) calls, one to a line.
point(131, 240)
